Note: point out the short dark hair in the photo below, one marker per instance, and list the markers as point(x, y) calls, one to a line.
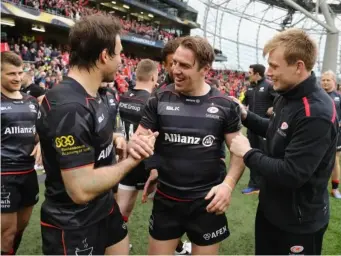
point(258, 68)
point(145, 69)
point(90, 36)
point(170, 48)
point(203, 51)
point(11, 58)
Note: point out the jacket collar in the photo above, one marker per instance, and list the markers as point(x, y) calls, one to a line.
point(303, 89)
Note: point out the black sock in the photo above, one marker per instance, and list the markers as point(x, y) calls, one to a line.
point(335, 184)
point(179, 247)
point(17, 241)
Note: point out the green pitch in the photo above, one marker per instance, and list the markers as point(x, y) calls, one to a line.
point(240, 215)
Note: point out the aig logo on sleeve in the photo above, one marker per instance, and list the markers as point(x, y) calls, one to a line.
point(64, 141)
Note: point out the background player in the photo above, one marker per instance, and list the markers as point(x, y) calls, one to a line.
point(111, 99)
point(79, 214)
point(19, 184)
point(328, 81)
point(132, 104)
point(194, 120)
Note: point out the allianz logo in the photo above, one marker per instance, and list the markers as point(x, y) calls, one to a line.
point(207, 141)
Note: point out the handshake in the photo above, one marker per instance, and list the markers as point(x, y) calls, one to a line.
point(141, 146)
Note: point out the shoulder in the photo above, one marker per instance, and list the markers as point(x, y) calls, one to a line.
point(316, 105)
point(216, 97)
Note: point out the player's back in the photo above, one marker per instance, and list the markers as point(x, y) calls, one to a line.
point(131, 108)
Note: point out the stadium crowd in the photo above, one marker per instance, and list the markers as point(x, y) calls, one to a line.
point(77, 9)
point(49, 64)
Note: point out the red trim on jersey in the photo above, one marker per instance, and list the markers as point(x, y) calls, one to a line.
point(133, 98)
point(77, 167)
point(18, 173)
point(48, 104)
point(173, 198)
point(112, 209)
point(334, 112)
point(63, 242)
point(306, 106)
point(48, 225)
point(87, 100)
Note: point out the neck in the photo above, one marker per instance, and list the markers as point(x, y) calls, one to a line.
point(89, 80)
point(11, 95)
point(304, 77)
point(200, 90)
point(143, 86)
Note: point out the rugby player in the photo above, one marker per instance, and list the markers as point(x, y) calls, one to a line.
point(19, 147)
point(328, 81)
point(194, 120)
point(131, 107)
point(293, 210)
point(79, 214)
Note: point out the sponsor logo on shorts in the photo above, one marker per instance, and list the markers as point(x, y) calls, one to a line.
point(215, 234)
point(86, 251)
point(296, 249)
point(5, 200)
point(64, 141)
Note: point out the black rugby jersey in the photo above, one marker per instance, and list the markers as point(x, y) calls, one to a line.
point(132, 104)
point(191, 136)
point(109, 97)
point(75, 129)
point(18, 131)
point(336, 97)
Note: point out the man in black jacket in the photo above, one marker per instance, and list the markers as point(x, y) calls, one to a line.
point(293, 210)
point(259, 99)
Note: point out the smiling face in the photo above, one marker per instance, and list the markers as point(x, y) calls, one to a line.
point(186, 71)
point(11, 77)
point(283, 75)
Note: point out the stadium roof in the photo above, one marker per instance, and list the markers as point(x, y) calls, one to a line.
point(240, 28)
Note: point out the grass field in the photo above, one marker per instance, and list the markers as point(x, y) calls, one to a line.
point(240, 215)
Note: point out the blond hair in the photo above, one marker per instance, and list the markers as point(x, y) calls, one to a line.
point(297, 45)
point(330, 72)
point(145, 70)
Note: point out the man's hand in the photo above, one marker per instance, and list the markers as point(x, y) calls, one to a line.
point(243, 109)
point(221, 199)
point(121, 147)
point(150, 185)
point(37, 154)
point(270, 111)
point(142, 146)
point(240, 145)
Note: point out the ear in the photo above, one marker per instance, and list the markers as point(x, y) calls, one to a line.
point(104, 56)
point(300, 66)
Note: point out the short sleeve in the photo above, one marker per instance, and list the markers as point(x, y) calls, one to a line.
point(72, 138)
point(232, 122)
point(149, 118)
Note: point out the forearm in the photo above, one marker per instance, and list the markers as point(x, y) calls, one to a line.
point(256, 124)
point(236, 170)
point(103, 179)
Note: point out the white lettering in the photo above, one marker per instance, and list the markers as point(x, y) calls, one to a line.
point(20, 130)
point(129, 106)
point(171, 108)
point(6, 108)
point(105, 152)
point(178, 138)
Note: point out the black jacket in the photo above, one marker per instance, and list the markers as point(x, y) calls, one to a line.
point(299, 158)
point(259, 97)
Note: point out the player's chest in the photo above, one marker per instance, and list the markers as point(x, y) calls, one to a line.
point(17, 111)
point(205, 116)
